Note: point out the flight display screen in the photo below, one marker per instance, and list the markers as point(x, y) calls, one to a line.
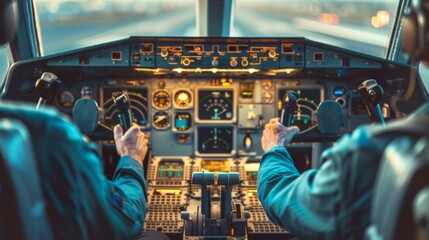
point(215, 105)
point(170, 170)
point(215, 140)
point(139, 106)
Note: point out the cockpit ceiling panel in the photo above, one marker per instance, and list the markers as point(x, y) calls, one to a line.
point(216, 55)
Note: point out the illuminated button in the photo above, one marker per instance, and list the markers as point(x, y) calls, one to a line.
point(186, 62)
point(164, 53)
point(339, 91)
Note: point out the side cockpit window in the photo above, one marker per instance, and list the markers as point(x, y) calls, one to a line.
point(424, 75)
point(4, 64)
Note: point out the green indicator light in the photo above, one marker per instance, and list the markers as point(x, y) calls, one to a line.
point(170, 173)
point(161, 171)
point(179, 171)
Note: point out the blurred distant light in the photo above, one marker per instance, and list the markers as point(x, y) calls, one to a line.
point(329, 18)
point(375, 22)
point(384, 17)
point(381, 19)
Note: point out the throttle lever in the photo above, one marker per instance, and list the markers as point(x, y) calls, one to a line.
point(290, 106)
point(123, 107)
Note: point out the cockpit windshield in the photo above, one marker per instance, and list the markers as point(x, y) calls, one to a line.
point(360, 25)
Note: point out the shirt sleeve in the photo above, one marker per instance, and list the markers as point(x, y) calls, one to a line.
point(299, 203)
point(130, 187)
point(307, 204)
point(89, 205)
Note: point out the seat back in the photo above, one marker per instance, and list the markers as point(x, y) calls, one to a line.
point(402, 175)
point(22, 207)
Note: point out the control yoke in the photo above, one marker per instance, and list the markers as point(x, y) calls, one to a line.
point(123, 107)
point(290, 106)
point(329, 122)
point(372, 93)
point(86, 116)
point(47, 86)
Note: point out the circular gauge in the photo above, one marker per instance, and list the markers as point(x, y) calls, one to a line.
point(267, 97)
point(161, 99)
point(161, 120)
point(267, 84)
point(183, 121)
point(182, 98)
point(66, 99)
point(215, 105)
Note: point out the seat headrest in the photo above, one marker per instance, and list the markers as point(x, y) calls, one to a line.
point(8, 20)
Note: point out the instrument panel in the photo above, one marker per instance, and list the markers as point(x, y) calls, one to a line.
point(209, 118)
point(204, 102)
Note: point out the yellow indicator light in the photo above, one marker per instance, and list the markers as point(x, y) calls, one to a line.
point(155, 70)
point(215, 70)
point(250, 193)
point(279, 105)
point(284, 70)
point(163, 192)
point(251, 167)
point(131, 82)
point(215, 166)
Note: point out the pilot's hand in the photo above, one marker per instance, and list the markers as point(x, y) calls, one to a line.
point(275, 134)
point(132, 143)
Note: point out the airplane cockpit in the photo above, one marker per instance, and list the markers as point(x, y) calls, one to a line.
point(201, 79)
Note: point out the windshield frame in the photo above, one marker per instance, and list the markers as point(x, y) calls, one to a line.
point(393, 48)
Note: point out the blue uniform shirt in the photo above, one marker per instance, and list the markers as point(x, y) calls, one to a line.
point(329, 203)
point(81, 202)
